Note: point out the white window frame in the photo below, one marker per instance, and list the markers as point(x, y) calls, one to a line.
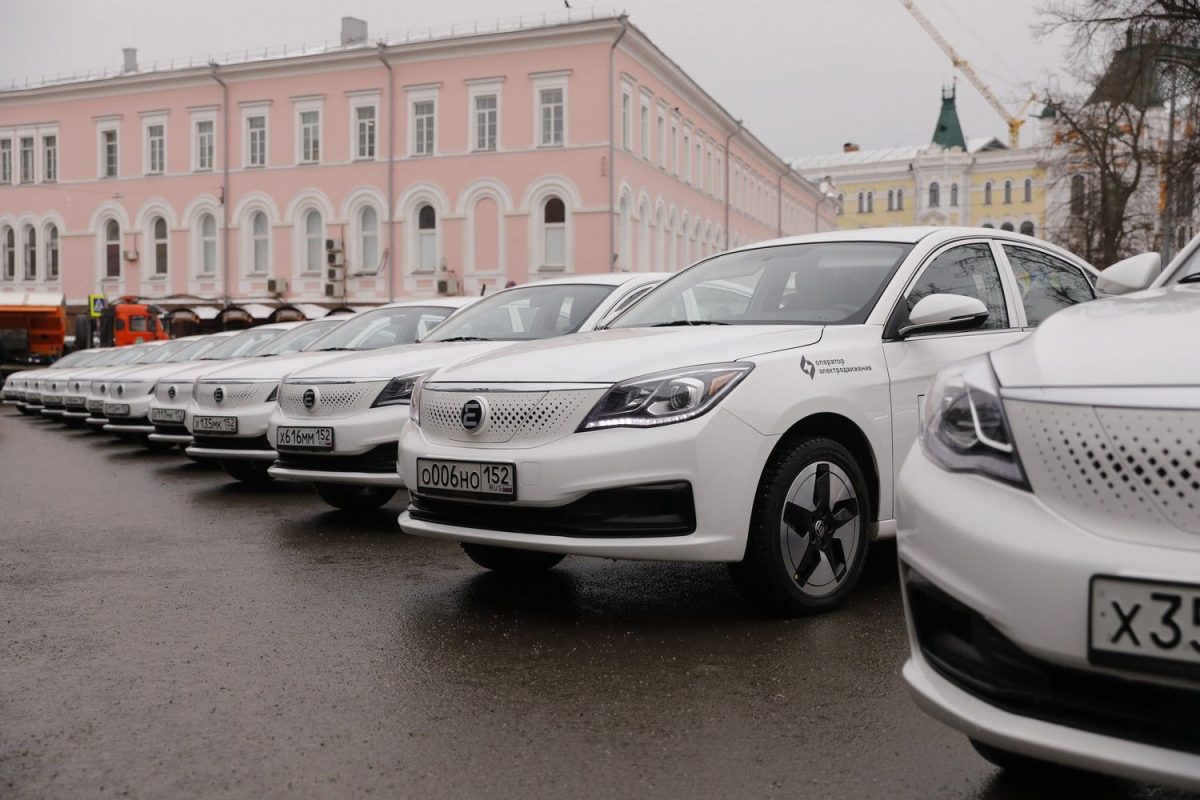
point(148, 121)
point(489, 87)
point(627, 116)
point(252, 111)
point(250, 241)
point(47, 261)
point(197, 232)
point(103, 126)
point(31, 137)
point(644, 125)
point(10, 167)
point(414, 225)
point(199, 116)
point(675, 145)
point(152, 247)
point(361, 265)
point(422, 94)
point(542, 82)
point(661, 131)
point(368, 99)
point(300, 106)
point(687, 153)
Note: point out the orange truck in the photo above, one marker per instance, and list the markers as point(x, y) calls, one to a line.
point(33, 327)
point(127, 321)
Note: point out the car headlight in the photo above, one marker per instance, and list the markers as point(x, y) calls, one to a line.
point(274, 395)
point(414, 411)
point(664, 398)
point(398, 392)
point(964, 428)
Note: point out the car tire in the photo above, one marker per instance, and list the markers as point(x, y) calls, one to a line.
point(1016, 763)
point(510, 561)
point(253, 473)
point(809, 532)
point(349, 497)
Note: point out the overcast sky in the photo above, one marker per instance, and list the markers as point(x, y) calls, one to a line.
point(805, 75)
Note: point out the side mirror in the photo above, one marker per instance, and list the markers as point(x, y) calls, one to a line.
point(944, 312)
point(1131, 275)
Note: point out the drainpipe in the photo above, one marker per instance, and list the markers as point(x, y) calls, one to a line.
point(215, 67)
point(728, 191)
point(391, 222)
point(612, 168)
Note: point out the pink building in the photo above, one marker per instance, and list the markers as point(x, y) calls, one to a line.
point(483, 157)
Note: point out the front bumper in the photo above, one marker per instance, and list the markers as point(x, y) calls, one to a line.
point(718, 456)
point(1015, 576)
point(364, 448)
point(248, 444)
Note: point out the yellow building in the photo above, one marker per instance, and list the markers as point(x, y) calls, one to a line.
point(950, 181)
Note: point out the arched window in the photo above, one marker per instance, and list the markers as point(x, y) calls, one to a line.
point(1008, 192)
point(954, 195)
point(891, 200)
point(935, 195)
point(660, 237)
point(368, 238)
point(314, 244)
point(208, 244)
point(10, 254)
point(260, 235)
point(987, 193)
point(1078, 196)
point(112, 249)
point(899, 199)
point(554, 232)
point(862, 202)
point(624, 242)
point(643, 238)
point(1028, 190)
point(870, 202)
point(1027, 228)
point(52, 252)
point(1008, 226)
point(30, 258)
point(426, 238)
point(161, 246)
point(987, 225)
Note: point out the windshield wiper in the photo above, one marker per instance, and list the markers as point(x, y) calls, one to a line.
point(679, 322)
point(464, 339)
point(1193, 278)
point(335, 349)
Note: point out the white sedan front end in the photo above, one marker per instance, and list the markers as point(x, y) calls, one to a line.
point(1049, 540)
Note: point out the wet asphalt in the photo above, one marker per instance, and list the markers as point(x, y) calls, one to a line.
point(167, 632)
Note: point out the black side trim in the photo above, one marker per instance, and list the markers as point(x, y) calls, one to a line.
point(380, 458)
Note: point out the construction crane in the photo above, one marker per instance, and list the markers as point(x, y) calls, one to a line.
point(1014, 121)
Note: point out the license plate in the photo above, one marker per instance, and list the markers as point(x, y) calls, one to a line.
point(287, 438)
point(1153, 626)
point(52, 398)
point(74, 402)
point(116, 409)
point(479, 479)
point(214, 424)
point(167, 415)
point(95, 405)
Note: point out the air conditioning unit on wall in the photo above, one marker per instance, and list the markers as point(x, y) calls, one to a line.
point(277, 285)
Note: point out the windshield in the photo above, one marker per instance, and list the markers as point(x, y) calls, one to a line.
point(524, 313)
point(1188, 268)
point(299, 337)
point(244, 344)
point(383, 327)
point(78, 358)
point(172, 351)
point(823, 283)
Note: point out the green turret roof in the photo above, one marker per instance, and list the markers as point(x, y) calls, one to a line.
point(948, 132)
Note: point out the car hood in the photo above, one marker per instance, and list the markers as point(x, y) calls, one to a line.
point(393, 362)
point(190, 371)
point(617, 354)
point(1142, 339)
point(270, 367)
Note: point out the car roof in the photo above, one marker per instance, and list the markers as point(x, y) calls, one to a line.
point(437, 301)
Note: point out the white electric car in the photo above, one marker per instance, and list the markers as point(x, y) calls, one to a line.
point(228, 414)
point(14, 384)
point(173, 392)
point(127, 357)
point(1049, 543)
point(337, 424)
point(751, 410)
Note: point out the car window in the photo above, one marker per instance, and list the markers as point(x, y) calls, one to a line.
point(383, 327)
point(1047, 284)
point(968, 270)
point(298, 338)
point(526, 312)
point(824, 283)
point(137, 324)
point(243, 344)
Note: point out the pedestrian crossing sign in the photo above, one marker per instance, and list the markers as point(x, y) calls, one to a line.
point(96, 304)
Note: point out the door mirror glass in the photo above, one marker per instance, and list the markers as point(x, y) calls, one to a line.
point(944, 312)
point(1131, 275)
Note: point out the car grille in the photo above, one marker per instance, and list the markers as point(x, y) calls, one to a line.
point(1129, 473)
point(235, 395)
point(183, 393)
point(380, 458)
point(524, 418)
point(331, 399)
point(231, 442)
point(965, 649)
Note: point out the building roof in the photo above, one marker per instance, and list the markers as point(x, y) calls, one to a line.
point(948, 131)
point(808, 164)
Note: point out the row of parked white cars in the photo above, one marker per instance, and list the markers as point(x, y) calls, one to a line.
point(756, 409)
